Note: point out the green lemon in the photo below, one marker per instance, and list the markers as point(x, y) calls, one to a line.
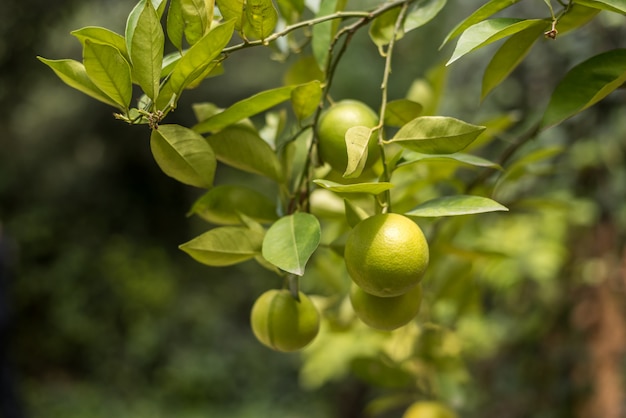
point(282, 323)
point(332, 128)
point(386, 255)
point(386, 313)
point(429, 409)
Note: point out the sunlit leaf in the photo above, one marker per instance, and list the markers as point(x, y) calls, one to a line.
point(437, 135)
point(261, 16)
point(402, 111)
point(617, 6)
point(197, 19)
point(382, 29)
point(147, 51)
point(585, 85)
point(195, 62)
point(225, 246)
point(225, 204)
point(489, 31)
point(102, 36)
point(422, 12)
point(131, 23)
point(303, 70)
point(175, 24)
point(467, 159)
point(486, 10)
point(232, 10)
point(245, 108)
point(305, 99)
point(576, 16)
point(73, 74)
point(456, 205)
point(183, 155)
point(244, 149)
point(357, 140)
point(373, 188)
point(108, 70)
point(290, 242)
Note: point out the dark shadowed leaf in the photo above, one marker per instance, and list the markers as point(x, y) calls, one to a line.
point(290, 242)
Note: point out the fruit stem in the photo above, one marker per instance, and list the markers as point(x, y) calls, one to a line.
point(293, 284)
point(384, 200)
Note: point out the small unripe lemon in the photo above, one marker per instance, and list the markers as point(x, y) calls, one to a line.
point(282, 323)
point(386, 254)
point(332, 128)
point(386, 313)
point(429, 409)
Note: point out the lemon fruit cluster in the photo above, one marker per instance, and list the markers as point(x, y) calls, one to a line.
point(332, 128)
point(283, 323)
point(386, 256)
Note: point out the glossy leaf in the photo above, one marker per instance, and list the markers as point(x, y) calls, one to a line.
point(108, 70)
point(73, 74)
point(197, 16)
point(232, 10)
point(509, 56)
point(437, 135)
point(324, 32)
point(225, 246)
point(225, 204)
point(467, 159)
point(402, 111)
point(131, 23)
point(617, 6)
point(183, 155)
point(195, 62)
point(102, 36)
point(242, 148)
point(456, 205)
point(357, 139)
point(585, 85)
point(422, 12)
point(373, 188)
point(147, 51)
point(486, 10)
point(290, 242)
point(261, 16)
point(489, 31)
point(305, 99)
point(245, 108)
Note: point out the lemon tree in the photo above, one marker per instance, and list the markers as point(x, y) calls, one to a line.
point(423, 165)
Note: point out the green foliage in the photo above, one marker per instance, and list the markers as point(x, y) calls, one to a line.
point(434, 168)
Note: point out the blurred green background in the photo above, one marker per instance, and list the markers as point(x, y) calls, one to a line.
point(108, 318)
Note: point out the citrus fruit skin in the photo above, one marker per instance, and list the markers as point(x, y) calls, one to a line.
point(429, 409)
point(332, 128)
point(386, 314)
point(282, 323)
point(386, 254)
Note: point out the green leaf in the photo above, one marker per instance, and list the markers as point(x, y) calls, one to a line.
point(422, 12)
point(437, 135)
point(617, 6)
point(225, 246)
point(147, 51)
point(489, 31)
point(183, 155)
point(197, 16)
point(509, 56)
point(305, 99)
point(290, 10)
point(468, 159)
point(245, 108)
point(224, 204)
point(131, 23)
point(175, 24)
point(585, 85)
point(261, 16)
point(354, 214)
point(456, 205)
point(382, 29)
point(303, 70)
point(195, 62)
point(290, 242)
point(108, 70)
point(102, 36)
point(486, 10)
point(73, 74)
point(324, 32)
point(357, 140)
point(576, 16)
point(244, 149)
point(232, 10)
point(402, 111)
point(374, 188)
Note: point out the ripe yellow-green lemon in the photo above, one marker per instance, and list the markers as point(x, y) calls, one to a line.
point(282, 323)
point(429, 409)
point(386, 254)
point(332, 128)
point(386, 313)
